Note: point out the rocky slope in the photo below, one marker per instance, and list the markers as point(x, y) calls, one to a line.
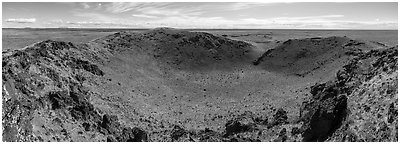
point(359, 105)
point(49, 87)
point(180, 49)
point(57, 91)
point(302, 56)
point(45, 97)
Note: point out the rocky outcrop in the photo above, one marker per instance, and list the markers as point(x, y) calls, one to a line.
point(45, 82)
point(331, 112)
point(324, 114)
point(111, 127)
point(178, 132)
point(280, 117)
point(241, 128)
point(242, 123)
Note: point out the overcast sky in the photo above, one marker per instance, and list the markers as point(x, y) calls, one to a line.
point(202, 15)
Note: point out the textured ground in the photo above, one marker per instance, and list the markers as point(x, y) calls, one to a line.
point(176, 85)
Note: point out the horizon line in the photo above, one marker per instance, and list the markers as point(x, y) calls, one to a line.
point(192, 28)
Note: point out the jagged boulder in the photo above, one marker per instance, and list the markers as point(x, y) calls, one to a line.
point(208, 135)
point(324, 114)
point(282, 137)
point(280, 117)
point(240, 124)
point(177, 132)
point(132, 135)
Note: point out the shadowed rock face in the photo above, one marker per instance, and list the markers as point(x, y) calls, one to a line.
point(325, 114)
point(240, 124)
point(48, 90)
point(337, 103)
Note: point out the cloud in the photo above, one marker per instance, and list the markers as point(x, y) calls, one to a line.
point(100, 24)
point(143, 16)
point(156, 9)
point(206, 15)
point(57, 21)
point(21, 20)
point(315, 22)
point(309, 17)
point(88, 22)
point(85, 5)
point(178, 20)
point(97, 16)
point(246, 5)
point(177, 9)
point(120, 7)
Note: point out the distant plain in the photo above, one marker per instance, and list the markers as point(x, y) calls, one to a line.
point(19, 38)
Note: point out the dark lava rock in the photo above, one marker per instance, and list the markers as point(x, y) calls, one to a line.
point(110, 123)
point(59, 99)
point(295, 131)
point(282, 136)
point(208, 135)
point(81, 108)
point(240, 124)
point(111, 126)
point(280, 117)
point(235, 126)
point(57, 66)
point(327, 109)
point(263, 120)
point(392, 113)
point(237, 139)
point(111, 138)
point(81, 64)
point(86, 126)
point(177, 132)
point(132, 135)
point(325, 116)
point(324, 113)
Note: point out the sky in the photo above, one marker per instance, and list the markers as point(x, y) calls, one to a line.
point(206, 15)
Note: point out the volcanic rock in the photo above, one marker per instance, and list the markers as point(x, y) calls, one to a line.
point(46, 78)
point(58, 91)
point(239, 124)
point(335, 105)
